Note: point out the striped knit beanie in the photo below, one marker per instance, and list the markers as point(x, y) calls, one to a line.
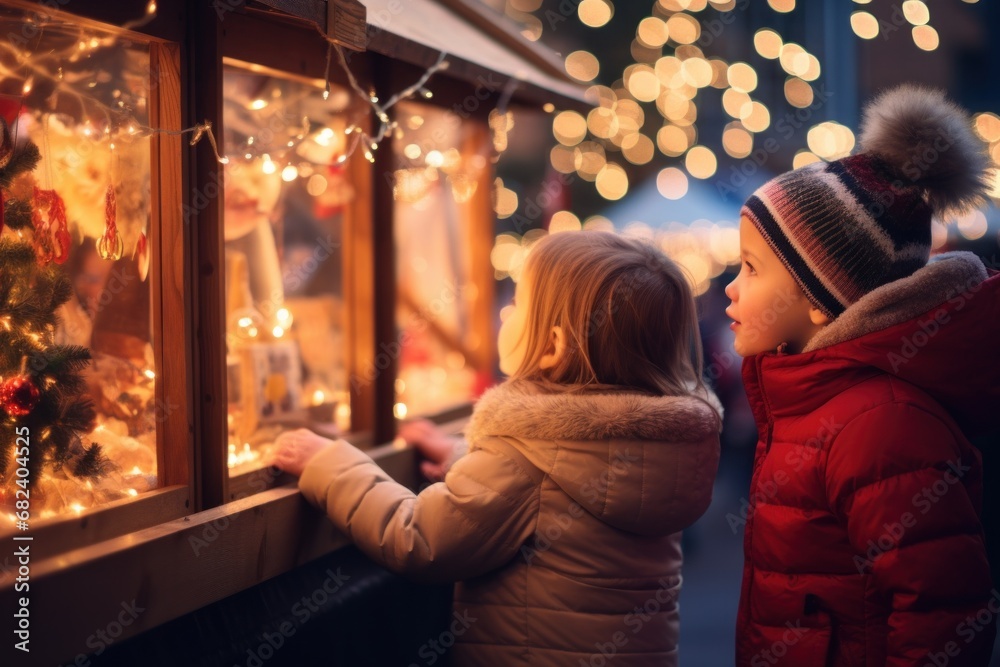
point(847, 227)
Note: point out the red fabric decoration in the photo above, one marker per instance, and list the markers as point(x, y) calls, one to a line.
point(52, 240)
point(19, 396)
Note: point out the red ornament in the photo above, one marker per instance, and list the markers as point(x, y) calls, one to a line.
point(19, 396)
point(110, 245)
point(52, 239)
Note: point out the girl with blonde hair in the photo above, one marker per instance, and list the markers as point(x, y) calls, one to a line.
point(562, 521)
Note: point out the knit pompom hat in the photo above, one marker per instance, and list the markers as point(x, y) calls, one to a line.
point(846, 227)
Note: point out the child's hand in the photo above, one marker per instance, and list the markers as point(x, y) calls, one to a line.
point(295, 448)
point(432, 443)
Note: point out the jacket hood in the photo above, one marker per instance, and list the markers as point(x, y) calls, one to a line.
point(935, 329)
point(637, 462)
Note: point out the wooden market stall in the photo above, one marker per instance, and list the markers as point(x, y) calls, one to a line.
point(319, 256)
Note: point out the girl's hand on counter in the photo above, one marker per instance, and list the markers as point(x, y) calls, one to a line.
point(435, 446)
point(295, 448)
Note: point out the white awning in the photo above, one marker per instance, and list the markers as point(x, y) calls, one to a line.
point(477, 43)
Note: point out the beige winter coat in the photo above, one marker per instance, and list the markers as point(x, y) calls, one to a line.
point(562, 523)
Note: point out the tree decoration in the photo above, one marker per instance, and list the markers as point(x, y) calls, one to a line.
point(42, 388)
point(18, 396)
point(110, 245)
point(52, 240)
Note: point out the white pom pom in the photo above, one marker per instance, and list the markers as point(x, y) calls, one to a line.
point(928, 141)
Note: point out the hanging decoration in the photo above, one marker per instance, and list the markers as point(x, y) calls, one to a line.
point(52, 239)
point(110, 245)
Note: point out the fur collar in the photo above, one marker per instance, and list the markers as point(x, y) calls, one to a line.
point(944, 277)
point(521, 409)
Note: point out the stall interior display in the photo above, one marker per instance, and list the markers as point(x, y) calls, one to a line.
point(287, 188)
point(439, 171)
point(77, 359)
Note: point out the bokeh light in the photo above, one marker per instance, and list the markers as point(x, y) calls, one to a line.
point(672, 183)
point(701, 162)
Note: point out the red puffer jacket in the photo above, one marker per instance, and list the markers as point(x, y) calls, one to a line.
point(863, 544)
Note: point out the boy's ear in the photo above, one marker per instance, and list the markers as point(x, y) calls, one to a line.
point(818, 317)
point(555, 350)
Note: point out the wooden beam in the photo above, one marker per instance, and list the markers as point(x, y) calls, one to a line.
point(174, 568)
point(204, 207)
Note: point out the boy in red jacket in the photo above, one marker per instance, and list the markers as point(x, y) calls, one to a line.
point(868, 367)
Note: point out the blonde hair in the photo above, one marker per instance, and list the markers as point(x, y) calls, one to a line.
point(627, 312)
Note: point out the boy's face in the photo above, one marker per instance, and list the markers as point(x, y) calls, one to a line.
point(768, 306)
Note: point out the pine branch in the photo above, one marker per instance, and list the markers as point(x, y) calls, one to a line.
point(21, 161)
point(17, 214)
point(16, 256)
point(93, 464)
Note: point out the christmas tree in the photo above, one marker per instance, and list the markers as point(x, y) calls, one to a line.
point(42, 389)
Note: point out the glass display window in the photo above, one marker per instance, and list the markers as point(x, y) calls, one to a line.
point(442, 202)
point(286, 191)
point(78, 326)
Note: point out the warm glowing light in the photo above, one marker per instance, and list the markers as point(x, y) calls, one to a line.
point(258, 104)
point(595, 13)
point(742, 77)
point(434, 159)
point(701, 162)
point(672, 140)
point(399, 410)
point(782, 6)
point(864, 25)
point(736, 104)
point(612, 182)
point(316, 185)
point(973, 226)
point(589, 159)
point(289, 173)
point(412, 151)
point(672, 183)
point(737, 142)
point(643, 83)
point(638, 149)
point(652, 31)
point(562, 159)
point(569, 128)
point(564, 221)
point(802, 158)
point(988, 126)
point(926, 37)
point(768, 43)
point(582, 65)
point(683, 28)
point(798, 93)
point(916, 12)
point(598, 223)
point(756, 117)
point(506, 200)
point(697, 72)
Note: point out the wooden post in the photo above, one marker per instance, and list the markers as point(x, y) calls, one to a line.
point(204, 214)
point(384, 210)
